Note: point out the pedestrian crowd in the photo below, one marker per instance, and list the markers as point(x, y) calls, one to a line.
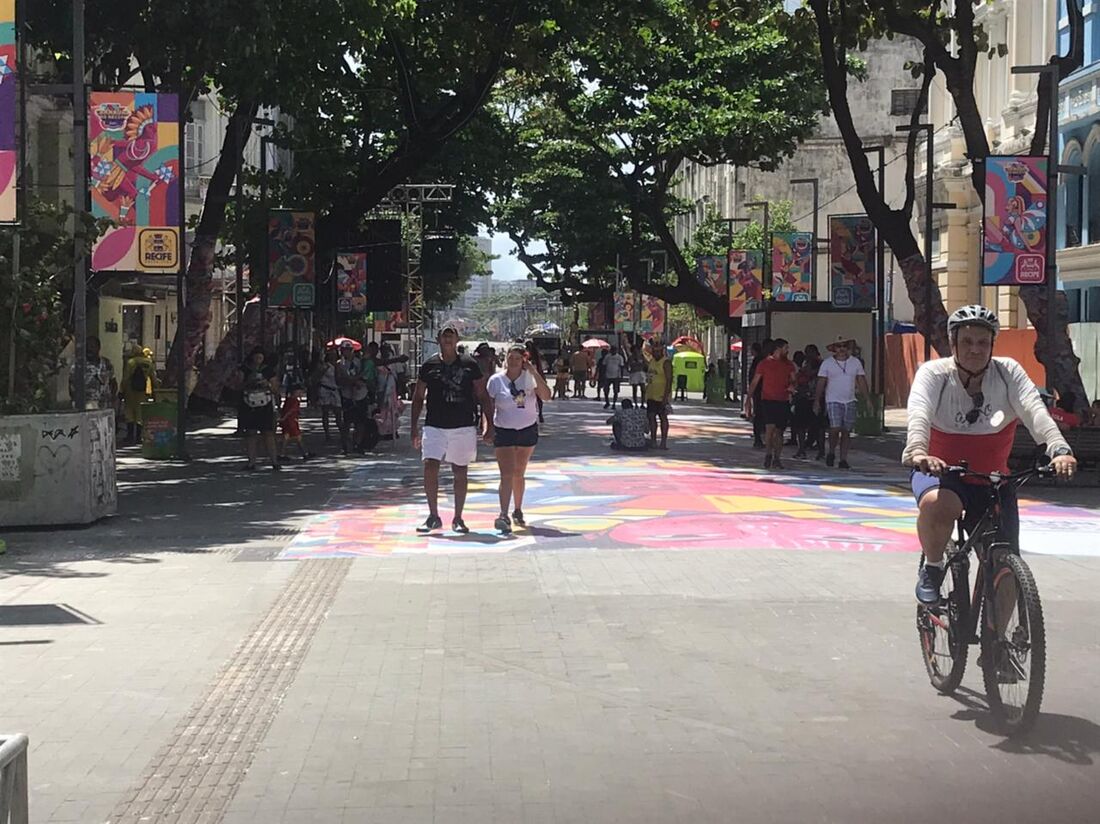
point(814, 397)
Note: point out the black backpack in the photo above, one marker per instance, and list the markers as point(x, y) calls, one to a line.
point(138, 378)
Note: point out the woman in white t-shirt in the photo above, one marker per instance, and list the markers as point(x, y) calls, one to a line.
point(514, 391)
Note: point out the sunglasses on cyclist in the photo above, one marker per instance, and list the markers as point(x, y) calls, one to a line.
point(973, 414)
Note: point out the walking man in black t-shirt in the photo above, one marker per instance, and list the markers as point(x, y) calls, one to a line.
point(454, 387)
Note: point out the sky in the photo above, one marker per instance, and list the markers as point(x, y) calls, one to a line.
point(507, 267)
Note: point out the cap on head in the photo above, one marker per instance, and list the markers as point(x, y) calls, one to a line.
point(449, 326)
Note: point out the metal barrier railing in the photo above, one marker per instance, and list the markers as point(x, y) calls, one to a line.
point(14, 807)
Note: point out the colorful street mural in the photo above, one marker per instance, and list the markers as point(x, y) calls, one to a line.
point(651, 318)
point(9, 112)
point(792, 265)
point(746, 280)
point(134, 171)
point(351, 282)
point(637, 502)
point(852, 261)
point(1015, 221)
point(290, 246)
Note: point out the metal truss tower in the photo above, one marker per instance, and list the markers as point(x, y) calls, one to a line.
point(410, 199)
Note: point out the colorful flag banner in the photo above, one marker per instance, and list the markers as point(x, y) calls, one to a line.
point(746, 281)
point(598, 316)
point(792, 265)
point(711, 273)
point(351, 282)
point(9, 113)
point(626, 310)
point(134, 179)
point(1015, 221)
point(290, 243)
point(852, 261)
point(651, 319)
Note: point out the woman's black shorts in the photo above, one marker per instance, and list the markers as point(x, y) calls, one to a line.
point(528, 436)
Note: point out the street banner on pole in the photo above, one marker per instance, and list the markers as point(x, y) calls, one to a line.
point(134, 180)
point(290, 244)
point(351, 282)
point(598, 316)
point(711, 273)
point(746, 281)
point(626, 310)
point(852, 259)
point(1015, 221)
point(651, 319)
point(792, 265)
point(9, 113)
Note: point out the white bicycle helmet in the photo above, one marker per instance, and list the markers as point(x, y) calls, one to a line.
point(973, 315)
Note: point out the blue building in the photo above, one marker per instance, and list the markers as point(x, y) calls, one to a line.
point(1079, 201)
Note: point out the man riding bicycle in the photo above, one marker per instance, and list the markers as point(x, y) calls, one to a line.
point(965, 409)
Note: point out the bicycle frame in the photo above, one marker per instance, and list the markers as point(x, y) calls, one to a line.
point(984, 540)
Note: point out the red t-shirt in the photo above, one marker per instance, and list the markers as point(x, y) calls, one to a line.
point(775, 379)
point(1064, 419)
point(292, 408)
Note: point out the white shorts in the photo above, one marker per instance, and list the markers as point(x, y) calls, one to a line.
point(457, 447)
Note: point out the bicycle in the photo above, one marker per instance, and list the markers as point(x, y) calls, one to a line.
point(1013, 657)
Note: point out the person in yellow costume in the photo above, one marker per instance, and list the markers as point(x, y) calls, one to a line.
point(138, 380)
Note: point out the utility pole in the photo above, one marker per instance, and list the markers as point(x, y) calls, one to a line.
point(80, 207)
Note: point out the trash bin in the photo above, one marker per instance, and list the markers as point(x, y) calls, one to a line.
point(716, 389)
point(158, 428)
point(869, 416)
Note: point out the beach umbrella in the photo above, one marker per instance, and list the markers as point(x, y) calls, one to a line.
point(596, 343)
point(339, 343)
point(687, 342)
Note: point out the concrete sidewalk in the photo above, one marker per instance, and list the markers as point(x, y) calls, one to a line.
point(713, 679)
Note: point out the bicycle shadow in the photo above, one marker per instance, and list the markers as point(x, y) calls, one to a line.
point(1066, 738)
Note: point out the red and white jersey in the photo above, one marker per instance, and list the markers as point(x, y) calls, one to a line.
point(939, 405)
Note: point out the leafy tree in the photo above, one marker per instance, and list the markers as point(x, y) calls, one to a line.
point(953, 42)
point(32, 317)
point(603, 135)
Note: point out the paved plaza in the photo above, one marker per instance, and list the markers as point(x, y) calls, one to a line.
point(677, 637)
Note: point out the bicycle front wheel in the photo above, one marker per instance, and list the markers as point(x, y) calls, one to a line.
point(940, 628)
point(1014, 647)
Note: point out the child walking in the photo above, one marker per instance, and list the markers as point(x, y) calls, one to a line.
point(289, 421)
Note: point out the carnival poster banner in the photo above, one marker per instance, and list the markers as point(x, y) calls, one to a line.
point(134, 180)
point(710, 270)
point(351, 282)
point(290, 243)
point(746, 281)
point(651, 320)
point(792, 265)
point(1015, 221)
point(852, 261)
point(9, 114)
point(626, 310)
point(598, 317)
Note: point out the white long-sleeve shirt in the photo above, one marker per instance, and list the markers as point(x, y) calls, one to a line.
point(939, 404)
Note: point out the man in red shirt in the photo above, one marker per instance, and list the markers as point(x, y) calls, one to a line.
point(775, 375)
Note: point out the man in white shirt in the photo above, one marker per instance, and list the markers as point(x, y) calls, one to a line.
point(837, 381)
point(611, 367)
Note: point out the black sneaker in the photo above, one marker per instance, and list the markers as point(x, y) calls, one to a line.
point(518, 519)
point(768, 461)
point(434, 522)
point(830, 459)
point(458, 525)
point(929, 580)
point(502, 524)
point(844, 465)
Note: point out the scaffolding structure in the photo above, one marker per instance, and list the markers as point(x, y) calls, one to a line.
point(410, 199)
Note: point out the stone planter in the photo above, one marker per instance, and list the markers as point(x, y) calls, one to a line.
point(57, 468)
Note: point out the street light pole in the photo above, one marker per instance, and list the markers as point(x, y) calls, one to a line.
point(1052, 75)
point(813, 181)
point(879, 348)
point(80, 206)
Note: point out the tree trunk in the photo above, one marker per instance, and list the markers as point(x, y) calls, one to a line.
point(200, 268)
point(1060, 361)
point(222, 371)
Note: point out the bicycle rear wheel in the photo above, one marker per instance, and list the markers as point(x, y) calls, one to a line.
point(1014, 647)
point(939, 627)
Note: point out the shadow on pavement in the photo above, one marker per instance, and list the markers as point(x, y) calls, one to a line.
point(1067, 738)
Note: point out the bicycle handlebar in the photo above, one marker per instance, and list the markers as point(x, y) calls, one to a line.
point(998, 478)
